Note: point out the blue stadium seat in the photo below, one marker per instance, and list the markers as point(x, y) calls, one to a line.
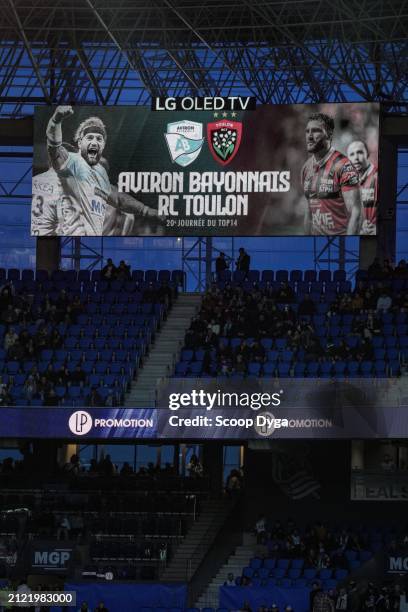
point(353, 368)
point(255, 563)
point(254, 276)
point(268, 276)
point(196, 367)
point(339, 275)
point(27, 275)
point(36, 402)
point(254, 368)
point(263, 573)
point(340, 574)
point(286, 583)
point(270, 563)
point(339, 368)
point(299, 370)
point(282, 276)
point(283, 369)
point(350, 555)
point(325, 573)
point(300, 583)
point(330, 583)
point(13, 274)
point(325, 276)
point(295, 276)
point(309, 573)
point(310, 275)
point(354, 565)
point(248, 572)
point(366, 368)
point(312, 368)
point(380, 368)
point(294, 573)
point(365, 555)
point(187, 355)
point(19, 379)
point(326, 368)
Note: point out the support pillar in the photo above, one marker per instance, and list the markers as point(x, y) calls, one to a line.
point(48, 253)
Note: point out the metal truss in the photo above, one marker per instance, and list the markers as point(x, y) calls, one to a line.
point(335, 255)
point(124, 51)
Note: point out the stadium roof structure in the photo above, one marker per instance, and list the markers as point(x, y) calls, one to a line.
point(125, 51)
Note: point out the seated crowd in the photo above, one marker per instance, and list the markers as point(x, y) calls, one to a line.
point(76, 338)
point(300, 327)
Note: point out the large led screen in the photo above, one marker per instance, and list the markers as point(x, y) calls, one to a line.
point(273, 171)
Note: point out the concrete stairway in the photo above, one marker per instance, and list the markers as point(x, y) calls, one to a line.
point(198, 540)
point(160, 360)
point(234, 565)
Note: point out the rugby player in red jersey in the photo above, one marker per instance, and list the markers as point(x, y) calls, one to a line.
point(358, 154)
point(330, 183)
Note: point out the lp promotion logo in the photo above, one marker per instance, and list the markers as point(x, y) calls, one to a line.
point(80, 423)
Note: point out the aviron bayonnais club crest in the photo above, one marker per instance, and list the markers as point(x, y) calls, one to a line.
point(185, 140)
point(224, 138)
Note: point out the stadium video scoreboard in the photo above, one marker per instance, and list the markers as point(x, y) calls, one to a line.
point(206, 167)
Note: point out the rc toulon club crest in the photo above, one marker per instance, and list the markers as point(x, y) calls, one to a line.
point(224, 138)
point(185, 140)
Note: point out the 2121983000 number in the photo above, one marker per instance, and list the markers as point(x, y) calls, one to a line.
point(44, 598)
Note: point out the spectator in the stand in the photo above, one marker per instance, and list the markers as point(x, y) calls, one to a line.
point(230, 581)
point(73, 466)
point(384, 302)
point(322, 602)
point(194, 467)
point(126, 470)
point(307, 306)
point(387, 464)
point(244, 261)
point(221, 264)
point(101, 607)
point(106, 466)
point(316, 588)
point(84, 607)
point(30, 387)
point(95, 399)
point(260, 527)
point(375, 269)
point(401, 271)
point(285, 294)
point(78, 376)
point(10, 338)
point(5, 397)
point(342, 600)
point(108, 272)
point(50, 398)
point(123, 271)
point(64, 528)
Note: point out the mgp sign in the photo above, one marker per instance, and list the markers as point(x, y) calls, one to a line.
point(396, 564)
point(51, 557)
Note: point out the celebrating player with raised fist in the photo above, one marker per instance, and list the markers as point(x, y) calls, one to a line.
point(83, 177)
